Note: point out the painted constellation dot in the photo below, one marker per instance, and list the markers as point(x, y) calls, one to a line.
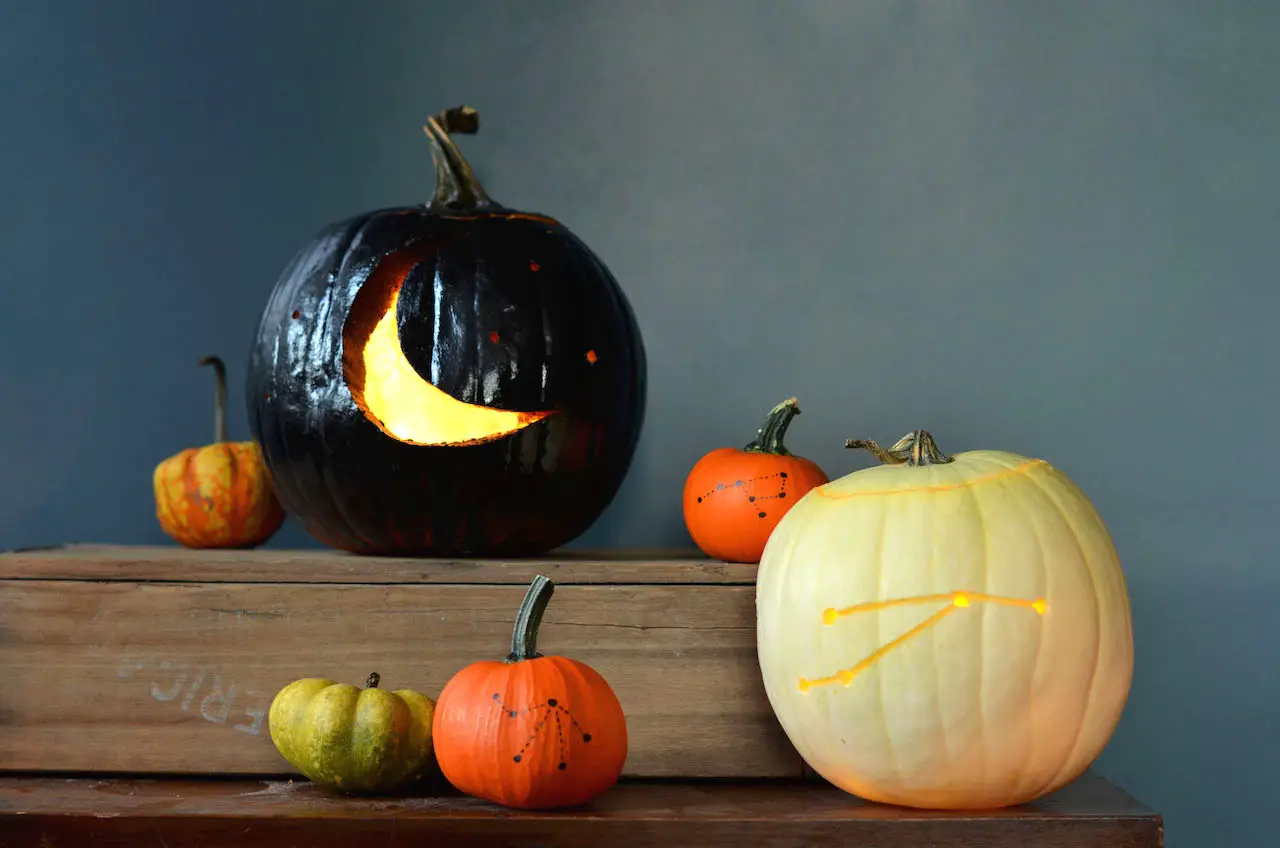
point(547, 710)
point(534, 266)
point(752, 492)
point(493, 336)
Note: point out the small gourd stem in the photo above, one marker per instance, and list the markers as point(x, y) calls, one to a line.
point(915, 448)
point(769, 437)
point(457, 188)
point(219, 397)
point(373, 680)
point(524, 637)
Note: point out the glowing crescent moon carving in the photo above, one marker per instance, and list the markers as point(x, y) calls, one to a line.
point(387, 389)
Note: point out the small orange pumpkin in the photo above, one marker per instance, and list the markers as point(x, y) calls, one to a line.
point(530, 732)
point(733, 498)
point(220, 495)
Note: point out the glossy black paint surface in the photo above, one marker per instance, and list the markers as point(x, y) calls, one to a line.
point(508, 310)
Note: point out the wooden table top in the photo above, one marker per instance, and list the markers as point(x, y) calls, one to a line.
point(53, 811)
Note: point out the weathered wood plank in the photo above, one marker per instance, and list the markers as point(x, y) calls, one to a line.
point(1090, 813)
point(177, 677)
point(175, 564)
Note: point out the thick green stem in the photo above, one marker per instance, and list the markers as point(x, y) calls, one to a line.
point(915, 448)
point(457, 188)
point(524, 637)
point(219, 397)
point(769, 437)
point(373, 680)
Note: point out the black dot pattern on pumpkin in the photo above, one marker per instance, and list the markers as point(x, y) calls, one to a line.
point(741, 487)
point(550, 712)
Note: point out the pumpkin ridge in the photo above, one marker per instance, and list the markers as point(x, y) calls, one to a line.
point(323, 321)
point(982, 624)
point(1032, 521)
point(303, 500)
point(1067, 762)
point(884, 714)
point(1022, 469)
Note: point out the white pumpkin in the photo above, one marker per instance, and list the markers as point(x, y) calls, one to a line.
point(942, 632)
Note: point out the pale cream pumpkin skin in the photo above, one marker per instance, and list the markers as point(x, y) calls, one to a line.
point(953, 635)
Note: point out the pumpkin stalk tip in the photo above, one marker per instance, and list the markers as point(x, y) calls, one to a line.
point(769, 437)
point(219, 396)
point(457, 188)
point(372, 681)
point(524, 636)
point(914, 449)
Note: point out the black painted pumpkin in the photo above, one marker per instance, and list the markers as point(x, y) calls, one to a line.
point(458, 378)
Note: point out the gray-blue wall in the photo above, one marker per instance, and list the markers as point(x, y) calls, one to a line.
point(1047, 227)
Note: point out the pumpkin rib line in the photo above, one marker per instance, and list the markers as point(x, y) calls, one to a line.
point(336, 265)
point(1043, 592)
point(1097, 644)
point(982, 627)
point(325, 320)
point(937, 682)
point(268, 427)
point(884, 718)
point(1022, 469)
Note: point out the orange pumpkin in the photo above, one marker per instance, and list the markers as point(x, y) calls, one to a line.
point(530, 732)
point(220, 495)
point(733, 498)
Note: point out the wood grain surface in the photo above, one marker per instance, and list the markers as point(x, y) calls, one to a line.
point(1090, 813)
point(132, 674)
point(174, 564)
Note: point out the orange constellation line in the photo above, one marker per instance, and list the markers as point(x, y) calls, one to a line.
point(954, 600)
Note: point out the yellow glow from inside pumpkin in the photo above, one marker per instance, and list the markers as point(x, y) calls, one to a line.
point(954, 601)
point(391, 393)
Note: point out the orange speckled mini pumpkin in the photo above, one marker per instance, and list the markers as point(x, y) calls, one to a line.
point(733, 498)
point(530, 732)
point(219, 495)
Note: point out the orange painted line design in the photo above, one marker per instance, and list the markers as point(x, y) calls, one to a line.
point(954, 601)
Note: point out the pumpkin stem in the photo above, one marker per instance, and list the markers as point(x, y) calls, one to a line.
point(219, 397)
point(524, 638)
point(457, 188)
point(769, 437)
point(373, 680)
point(915, 448)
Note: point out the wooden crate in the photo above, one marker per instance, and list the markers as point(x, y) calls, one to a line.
point(164, 660)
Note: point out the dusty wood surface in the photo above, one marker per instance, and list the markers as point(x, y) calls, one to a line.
point(177, 677)
point(1090, 813)
point(176, 564)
